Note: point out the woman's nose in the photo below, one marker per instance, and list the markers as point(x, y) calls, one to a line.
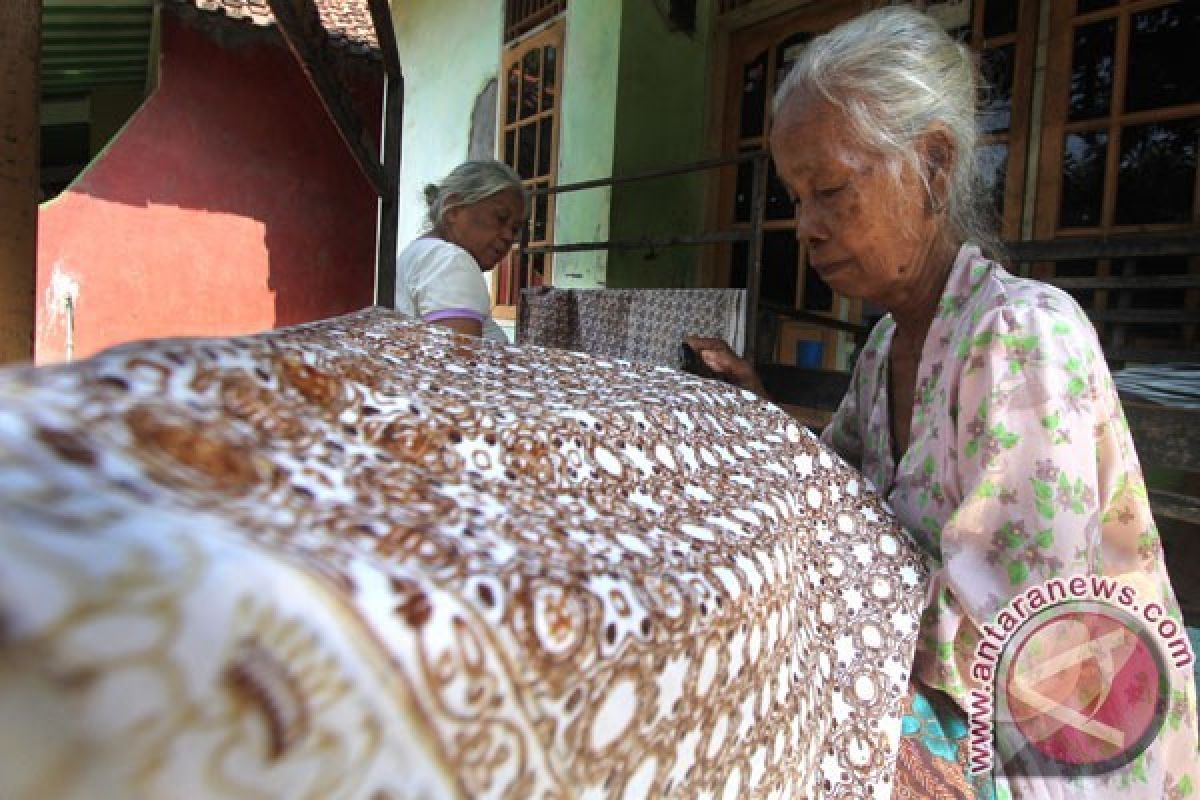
point(809, 226)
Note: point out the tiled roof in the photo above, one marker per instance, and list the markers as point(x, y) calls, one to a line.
point(347, 22)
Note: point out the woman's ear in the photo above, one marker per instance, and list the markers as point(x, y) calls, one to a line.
point(937, 151)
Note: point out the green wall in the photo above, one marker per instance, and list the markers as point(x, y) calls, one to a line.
point(660, 122)
point(586, 137)
point(449, 51)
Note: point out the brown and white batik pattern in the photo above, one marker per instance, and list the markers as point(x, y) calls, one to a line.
point(371, 558)
point(643, 325)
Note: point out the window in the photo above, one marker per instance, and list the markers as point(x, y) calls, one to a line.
point(522, 16)
point(532, 81)
point(1003, 32)
point(1119, 156)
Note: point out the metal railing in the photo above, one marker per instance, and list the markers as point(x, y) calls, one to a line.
point(752, 236)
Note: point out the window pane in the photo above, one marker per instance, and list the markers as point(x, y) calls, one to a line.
point(742, 191)
point(739, 265)
point(993, 168)
point(1157, 174)
point(789, 50)
point(541, 206)
point(817, 294)
point(537, 271)
point(779, 205)
point(1083, 179)
point(549, 77)
point(514, 89)
point(531, 83)
point(1084, 6)
point(780, 259)
point(510, 144)
point(1162, 57)
point(754, 97)
point(545, 145)
point(526, 147)
point(1092, 70)
point(996, 110)
point(999, 17)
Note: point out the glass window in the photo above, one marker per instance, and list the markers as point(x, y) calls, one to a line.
point(531, 82)
point(779, 204)
point(1087, 6)
point(550, 55)
point(999, 18)
point(1092, 70)
point(1162, 57)
point(1156, 178)
point(997, 68)
point(780, 258)
point(1083, 179)
point(743, 192)
point(993, 167)
point(754, 97)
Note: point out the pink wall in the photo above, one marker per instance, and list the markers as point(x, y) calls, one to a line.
point(228, 204)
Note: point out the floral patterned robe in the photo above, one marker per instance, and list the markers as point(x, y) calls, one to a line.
point(1020, 468)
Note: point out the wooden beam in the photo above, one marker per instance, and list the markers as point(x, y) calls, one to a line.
point(385, 34)
point(1126, 246)
point(389, 203)
point(393, 124)
point(300, 25)
point(20, 36)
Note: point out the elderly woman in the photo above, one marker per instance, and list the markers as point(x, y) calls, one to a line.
point(981, 408)
point(475, 215)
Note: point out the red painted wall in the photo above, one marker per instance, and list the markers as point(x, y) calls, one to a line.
point(228, 204)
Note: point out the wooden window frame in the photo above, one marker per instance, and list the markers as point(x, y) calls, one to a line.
point(1055, 126)
point(551, 34)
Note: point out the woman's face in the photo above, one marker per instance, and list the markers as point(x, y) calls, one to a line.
point(866, 234)
point(486, 229)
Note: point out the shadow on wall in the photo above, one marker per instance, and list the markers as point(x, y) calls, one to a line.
point(228, 204)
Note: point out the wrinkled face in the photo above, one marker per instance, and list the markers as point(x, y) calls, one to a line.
point(866, 234)
point(486, 229)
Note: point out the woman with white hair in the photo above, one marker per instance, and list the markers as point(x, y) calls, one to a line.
point(475, 215)
point(982, 409)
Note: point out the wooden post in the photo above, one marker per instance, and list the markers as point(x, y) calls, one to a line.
point(393, 124)
point(389, 202)
point(758, 204)
point(20, 50)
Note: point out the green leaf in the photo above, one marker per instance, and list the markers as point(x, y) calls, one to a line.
point(1005, 436)
point(1017, 572)
point(1044, 508)
point(1050, 422)
point(1045, 538)
point(972, 448)
point(986, 489)
point(1075, 386)
point(1041, 489)
point(1185, 786)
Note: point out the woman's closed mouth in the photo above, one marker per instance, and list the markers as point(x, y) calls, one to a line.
point(829, 268)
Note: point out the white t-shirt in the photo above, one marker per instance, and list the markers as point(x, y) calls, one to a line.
point(436, 279)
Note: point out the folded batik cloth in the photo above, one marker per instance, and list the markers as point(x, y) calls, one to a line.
point(370, 558)
point(643, 325)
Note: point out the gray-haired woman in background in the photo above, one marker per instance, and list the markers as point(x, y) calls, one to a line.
point(475, 215)
point(981, 408)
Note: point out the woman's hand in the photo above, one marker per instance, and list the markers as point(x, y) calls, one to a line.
point(725, 364)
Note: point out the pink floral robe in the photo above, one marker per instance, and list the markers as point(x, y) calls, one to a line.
point(1020, 468)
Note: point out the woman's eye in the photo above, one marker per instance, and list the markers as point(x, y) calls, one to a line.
point(830, 191)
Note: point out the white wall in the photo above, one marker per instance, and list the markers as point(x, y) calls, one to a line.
point(449, 50)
